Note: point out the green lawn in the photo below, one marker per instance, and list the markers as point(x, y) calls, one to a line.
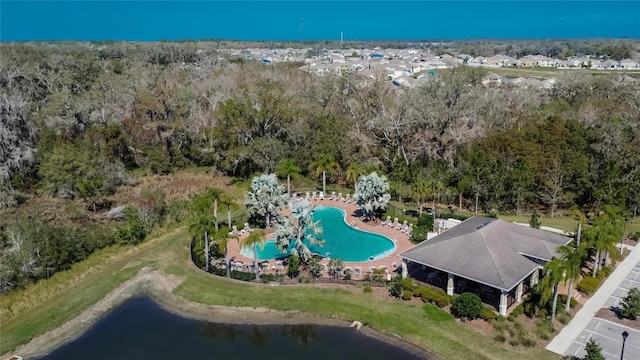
point(430, 328)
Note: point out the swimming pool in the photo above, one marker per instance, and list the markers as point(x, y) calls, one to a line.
point(341, 240)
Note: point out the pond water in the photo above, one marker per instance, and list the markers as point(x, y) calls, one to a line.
point(342, 241)
point(140, 329)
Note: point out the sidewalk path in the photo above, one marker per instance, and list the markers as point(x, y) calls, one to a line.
point(561, 343)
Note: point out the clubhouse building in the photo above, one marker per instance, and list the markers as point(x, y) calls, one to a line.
point(495, 259)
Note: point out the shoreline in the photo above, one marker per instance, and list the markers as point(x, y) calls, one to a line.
point(159, 287)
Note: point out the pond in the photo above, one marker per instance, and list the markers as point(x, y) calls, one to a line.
point(140, 329)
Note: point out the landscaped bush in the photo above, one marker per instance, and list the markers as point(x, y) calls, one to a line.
point(407, 295)
point(562, 299)
point(241, 275)
point(467, 306)
point(395, 287)
point(488, 314)
point(516, 312)
point(500, 338)
point(271, 277)
point(367, 289)
point(631, 304)
point(588, 285)
point(605, 271)
point(544, 328)
point(563, 317)
point(434, 296)
point(407, 284)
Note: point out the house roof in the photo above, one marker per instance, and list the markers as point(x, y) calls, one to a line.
point(489, 251)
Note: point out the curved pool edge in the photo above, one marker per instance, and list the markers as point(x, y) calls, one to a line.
point(248, 252)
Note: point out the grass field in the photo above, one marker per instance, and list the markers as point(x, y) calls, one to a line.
point(430, 328)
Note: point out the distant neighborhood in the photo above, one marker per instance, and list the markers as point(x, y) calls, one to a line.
point(410, 67)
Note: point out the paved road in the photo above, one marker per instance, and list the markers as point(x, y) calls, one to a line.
point(581, 326)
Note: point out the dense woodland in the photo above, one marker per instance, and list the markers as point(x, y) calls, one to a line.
point(78, 119)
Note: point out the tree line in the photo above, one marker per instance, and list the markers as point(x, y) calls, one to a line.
point(75, 120)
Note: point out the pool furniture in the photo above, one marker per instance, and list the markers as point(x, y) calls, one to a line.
point(247, 228)
point(387, 222)
point(321, 195)
point(396, 224)
point(357, 271)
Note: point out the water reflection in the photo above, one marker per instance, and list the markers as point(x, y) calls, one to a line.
point(140, 329)
point(302, 334)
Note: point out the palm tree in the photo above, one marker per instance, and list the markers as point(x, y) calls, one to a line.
point(265, 198)
point(256, 238)
point(215, 195)
point(199, 227)
point(324, 164)
point(353, 173)
point(573, 258)
point(421, 190)
point(222, 238)
point(288, 168)
point(291, 230)
point(548, 286)
point(230, 203)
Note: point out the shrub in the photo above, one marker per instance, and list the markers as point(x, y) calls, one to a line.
point(564, 317)
point(588, 285)
point(488, 314)
point(407, 295)
point(631, 304)
point(562, 299)
point(367, 289)
point(525, 341)
point(396, 287)
point(467, 306)
point(407, 284)
point(433, 296)
point(593, 350)
point(500, 338)
point(605, 271)
point(516, 312)
point(635, 236)
point(544, 328)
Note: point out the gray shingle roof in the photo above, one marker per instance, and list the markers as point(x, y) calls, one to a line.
point(488, 251)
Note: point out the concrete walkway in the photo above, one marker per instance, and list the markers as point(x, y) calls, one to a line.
point(561, 343)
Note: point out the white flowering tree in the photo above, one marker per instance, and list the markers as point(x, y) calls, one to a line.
point(372, 193)
point(265, 198)
point(292, 230)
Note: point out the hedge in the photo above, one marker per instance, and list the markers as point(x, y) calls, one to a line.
point(488, 314)
point(407, 295)
point(433, 296)
point(589, 284)
point(562, 299)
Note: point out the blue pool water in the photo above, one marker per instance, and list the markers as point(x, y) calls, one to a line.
point(341, 240)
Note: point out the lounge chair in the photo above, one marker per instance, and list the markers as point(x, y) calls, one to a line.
point(340, 198)
point(333, 195)
point(247, 228)
point(383, 268)
point(371, 269)
point(234, 231)
point(308, 196)
point(321, 195)
point(387, 222)
point(264, 266)
point(396, 224)
point(357, 271)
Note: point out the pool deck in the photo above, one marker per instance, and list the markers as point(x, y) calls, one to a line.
point(401, 241)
